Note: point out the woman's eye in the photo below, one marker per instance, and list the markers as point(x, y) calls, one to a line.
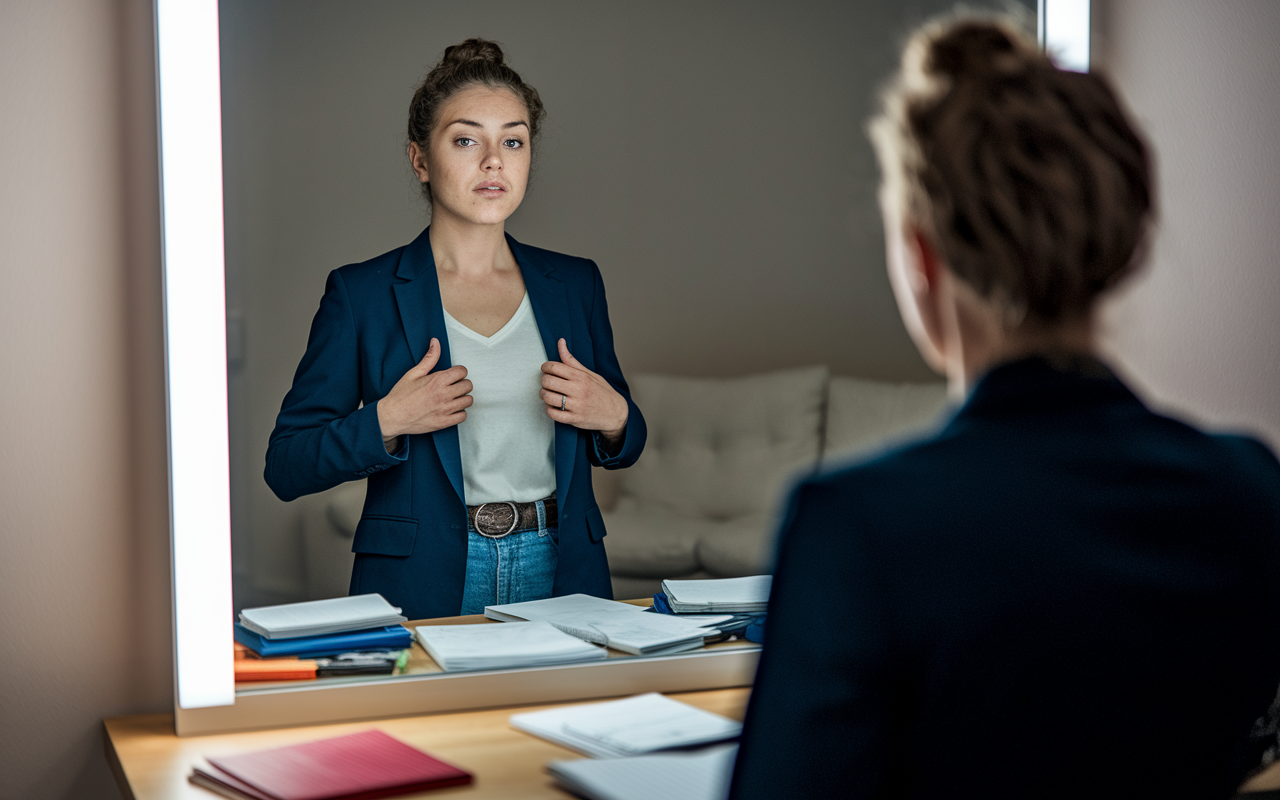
point(513, 143)
point(463, 141)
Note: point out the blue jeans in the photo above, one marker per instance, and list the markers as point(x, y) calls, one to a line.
point(519, 566)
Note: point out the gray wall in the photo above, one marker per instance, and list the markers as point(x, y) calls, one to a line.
point(83, 580)
point(709, 156)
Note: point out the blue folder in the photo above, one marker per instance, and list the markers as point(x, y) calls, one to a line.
point(392, 637)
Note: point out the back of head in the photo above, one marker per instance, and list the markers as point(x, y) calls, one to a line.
point(1030, 180)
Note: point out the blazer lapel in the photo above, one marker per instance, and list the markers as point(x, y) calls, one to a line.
point(550, 301)
point(422, 317)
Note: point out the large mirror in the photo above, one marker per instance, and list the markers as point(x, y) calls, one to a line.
point(709, 157)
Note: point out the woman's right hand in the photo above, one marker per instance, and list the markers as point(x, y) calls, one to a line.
point(423, 401)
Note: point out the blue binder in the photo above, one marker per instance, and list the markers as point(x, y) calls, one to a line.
point(392, 636)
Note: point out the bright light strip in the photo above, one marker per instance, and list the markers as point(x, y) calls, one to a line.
point(195, 348)
point(1064, 32)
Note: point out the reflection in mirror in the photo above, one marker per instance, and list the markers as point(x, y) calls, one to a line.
point(717, 173)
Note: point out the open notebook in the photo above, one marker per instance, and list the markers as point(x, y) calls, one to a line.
point(527, 644)
point(618, 625)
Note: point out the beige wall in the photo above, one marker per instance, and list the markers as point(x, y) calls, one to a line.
point(84, 572)
point(1200, 331)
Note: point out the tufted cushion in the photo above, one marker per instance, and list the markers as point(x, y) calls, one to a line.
point(722, 448)
point(862, 415)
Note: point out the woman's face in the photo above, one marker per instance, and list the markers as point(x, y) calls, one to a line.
point(478, 157)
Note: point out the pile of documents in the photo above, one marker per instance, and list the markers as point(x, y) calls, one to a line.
point(620, 626)
point(364, 624)
point(637, 725)
point(703, 775)
point(723, 596)
point(320, 617)
point(529, 644)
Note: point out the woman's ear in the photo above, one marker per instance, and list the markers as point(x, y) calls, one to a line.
point(418, 160)
point(915, 271)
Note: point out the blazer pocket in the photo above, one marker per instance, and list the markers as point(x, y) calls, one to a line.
point(385, 536)
point(595, 523)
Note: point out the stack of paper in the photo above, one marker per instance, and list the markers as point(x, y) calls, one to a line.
point(637, 725)
point(320, 617)
point(618, 625)
point(359, 765)
point(526, 644)
point(392, 637)
point(703, 775)
point(726, 595)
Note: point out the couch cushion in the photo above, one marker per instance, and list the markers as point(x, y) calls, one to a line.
point(722, 448)
point(651, 542)
point(864, 415)
point(744, 546)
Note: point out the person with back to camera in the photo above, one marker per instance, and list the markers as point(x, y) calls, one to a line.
point(1060, 593)
point(471, 378)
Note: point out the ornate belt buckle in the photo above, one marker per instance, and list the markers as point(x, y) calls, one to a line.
point(490, 524)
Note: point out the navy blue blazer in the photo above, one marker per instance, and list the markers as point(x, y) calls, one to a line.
point(1061, 594)
point(375, 322)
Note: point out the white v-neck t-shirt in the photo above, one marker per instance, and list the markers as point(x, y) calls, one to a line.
point(507, 439)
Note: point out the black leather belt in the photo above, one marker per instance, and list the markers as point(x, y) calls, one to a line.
point(496, 520)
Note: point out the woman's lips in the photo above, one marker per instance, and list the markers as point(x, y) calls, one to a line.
point(490, 190)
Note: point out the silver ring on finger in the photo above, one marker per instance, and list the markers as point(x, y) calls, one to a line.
point(563, 400)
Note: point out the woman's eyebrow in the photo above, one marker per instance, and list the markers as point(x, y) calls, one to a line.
point(475, 124)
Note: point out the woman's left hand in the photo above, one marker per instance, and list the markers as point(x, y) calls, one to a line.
point(577, 396)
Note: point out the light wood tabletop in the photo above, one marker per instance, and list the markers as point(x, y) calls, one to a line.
point(152, 763)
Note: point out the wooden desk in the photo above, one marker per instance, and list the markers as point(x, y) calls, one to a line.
point(151, 763)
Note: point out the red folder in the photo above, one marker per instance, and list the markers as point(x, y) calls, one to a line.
point(360, 766)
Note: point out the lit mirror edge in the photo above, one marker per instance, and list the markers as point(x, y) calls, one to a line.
point(190, 120)
point(1065, 28)
point(205, 701)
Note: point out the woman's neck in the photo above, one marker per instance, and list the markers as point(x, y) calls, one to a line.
point(980, 339)
point(465, 248)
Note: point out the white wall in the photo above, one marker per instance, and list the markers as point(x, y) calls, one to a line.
point(84, 577)
point(1200, 330)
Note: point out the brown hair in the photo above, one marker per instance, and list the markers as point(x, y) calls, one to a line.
point(1030, 180)
point(475, 62)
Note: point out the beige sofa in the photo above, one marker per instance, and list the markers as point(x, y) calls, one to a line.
point(702, 499)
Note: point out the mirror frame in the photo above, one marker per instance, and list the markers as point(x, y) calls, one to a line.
point(205, 701)
point(190, 121)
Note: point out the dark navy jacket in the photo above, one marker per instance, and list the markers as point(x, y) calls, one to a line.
point(1061, 594)
point(375, 322)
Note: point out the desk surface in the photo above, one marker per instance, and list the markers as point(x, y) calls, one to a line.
point(152, 763)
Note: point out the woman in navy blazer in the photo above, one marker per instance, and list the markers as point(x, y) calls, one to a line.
point(378, 396)
point(1060, 594)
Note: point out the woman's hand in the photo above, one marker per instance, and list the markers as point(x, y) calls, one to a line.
point(577, 396)
point(423, 401)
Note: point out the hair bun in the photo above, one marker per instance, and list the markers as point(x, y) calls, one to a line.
point(473, 50)
point(978, 49)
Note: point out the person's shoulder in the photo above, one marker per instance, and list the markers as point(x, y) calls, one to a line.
point(563, 263)
point(379, 269)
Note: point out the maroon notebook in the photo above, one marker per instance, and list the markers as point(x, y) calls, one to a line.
point(360, 766)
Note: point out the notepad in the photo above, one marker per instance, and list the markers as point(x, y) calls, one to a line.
point(618, 625)
point(637, 725)
point(366, 764)
point(519, 644)
point(724, 595)
point(703, 775)
point(321, 617)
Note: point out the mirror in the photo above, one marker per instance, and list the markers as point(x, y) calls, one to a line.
point(709, 157)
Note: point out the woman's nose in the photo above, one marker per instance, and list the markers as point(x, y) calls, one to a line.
point(492, 160)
